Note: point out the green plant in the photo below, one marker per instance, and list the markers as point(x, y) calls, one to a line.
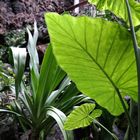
point(86, 115)
point(50, 92)
point(98, 55)
point(15, 38)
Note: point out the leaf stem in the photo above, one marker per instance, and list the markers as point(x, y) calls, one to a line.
point(127, 114)
point(137, 56)
point(127, 133)
point(113, 135)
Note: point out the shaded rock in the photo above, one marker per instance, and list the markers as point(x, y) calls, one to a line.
point(16, 14)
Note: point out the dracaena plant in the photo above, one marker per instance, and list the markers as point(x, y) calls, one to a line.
point(100, 56)
point(50, 92)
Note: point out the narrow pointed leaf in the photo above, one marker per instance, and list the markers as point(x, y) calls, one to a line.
point(82, 116)
point(35, 38)
point(19, 57)
point(10, 112)
point(34, 59)
point(60, 119)
point(97, 55)
point(118, 7)
point(50, 77)
point(54, 95)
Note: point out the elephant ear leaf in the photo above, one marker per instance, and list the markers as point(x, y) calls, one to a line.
point(82, 116)
point(118, 7)
point(97, 55)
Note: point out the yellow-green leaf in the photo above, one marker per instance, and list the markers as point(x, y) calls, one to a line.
point(82, 116)
point(97, 55)
point(118, 7)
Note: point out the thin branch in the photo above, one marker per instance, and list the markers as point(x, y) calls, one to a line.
point(74, 6)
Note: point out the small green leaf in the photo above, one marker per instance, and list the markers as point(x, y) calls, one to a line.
point(82, 116)
point(118, 7)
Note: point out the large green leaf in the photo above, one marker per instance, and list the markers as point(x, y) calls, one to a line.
point(82, 116)
point(97, 55)
point(118, 7)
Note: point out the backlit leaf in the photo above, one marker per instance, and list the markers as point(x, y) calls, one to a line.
point(82, 116)
point(118, 7)
point(97, 55)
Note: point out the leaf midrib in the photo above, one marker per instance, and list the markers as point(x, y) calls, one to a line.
point(111, 81)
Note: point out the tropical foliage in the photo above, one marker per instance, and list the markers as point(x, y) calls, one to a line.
point(100, 56)
point(104, 64)
point(49, 92)
point(90, 72)
point(86, 114)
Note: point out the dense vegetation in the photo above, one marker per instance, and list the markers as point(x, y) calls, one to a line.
point(88, 82)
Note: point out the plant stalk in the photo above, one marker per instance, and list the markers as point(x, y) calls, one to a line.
point(113, 135)
point(137, 56)
point(127, 115)
point(132, 107)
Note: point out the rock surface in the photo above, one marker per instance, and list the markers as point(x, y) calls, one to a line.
point(16, 14)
